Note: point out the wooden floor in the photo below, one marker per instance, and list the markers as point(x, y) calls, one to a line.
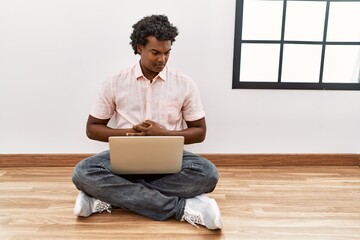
point(256, 203)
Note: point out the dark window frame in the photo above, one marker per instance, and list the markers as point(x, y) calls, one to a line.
point(238, 41)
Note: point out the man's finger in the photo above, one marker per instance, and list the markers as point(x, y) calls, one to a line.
point(149, 122)
point(139, 128)
point(135, 134)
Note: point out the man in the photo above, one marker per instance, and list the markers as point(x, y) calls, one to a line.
point(149, 99)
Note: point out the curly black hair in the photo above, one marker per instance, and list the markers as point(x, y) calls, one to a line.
point(154, 25)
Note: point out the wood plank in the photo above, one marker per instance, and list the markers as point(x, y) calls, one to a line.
point(68, 160)
point(267, 203)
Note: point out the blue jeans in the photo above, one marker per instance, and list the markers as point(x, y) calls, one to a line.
point(156, 196)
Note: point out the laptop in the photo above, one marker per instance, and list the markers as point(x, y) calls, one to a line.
point(146, 154)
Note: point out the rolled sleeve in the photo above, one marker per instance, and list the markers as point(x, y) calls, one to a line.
point(193, 109)
point(104, 106)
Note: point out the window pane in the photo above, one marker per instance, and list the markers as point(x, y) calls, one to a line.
point(262, 20)
point(344, 22)
point(259, 62)
point(342, 64)
point(305, 21)
point(301, 63)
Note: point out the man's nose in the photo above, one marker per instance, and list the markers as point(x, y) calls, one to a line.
point(162, 58)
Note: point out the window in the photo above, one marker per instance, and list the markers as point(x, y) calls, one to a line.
point(297, 44)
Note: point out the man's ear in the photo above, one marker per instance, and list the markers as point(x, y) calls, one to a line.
point(139, 48)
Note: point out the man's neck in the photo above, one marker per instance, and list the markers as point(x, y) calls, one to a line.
point(148, 74)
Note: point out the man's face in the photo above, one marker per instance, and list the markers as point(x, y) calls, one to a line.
point(154, 56)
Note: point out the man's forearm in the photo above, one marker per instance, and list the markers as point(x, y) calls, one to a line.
point(102, 133)
point(191, 135)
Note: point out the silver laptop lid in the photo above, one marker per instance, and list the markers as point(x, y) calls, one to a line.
point(146, 154)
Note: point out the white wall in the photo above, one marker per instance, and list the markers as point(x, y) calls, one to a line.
point(54, 55)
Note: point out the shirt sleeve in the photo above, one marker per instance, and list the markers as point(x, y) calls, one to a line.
point(104, 106)
point(193, 109)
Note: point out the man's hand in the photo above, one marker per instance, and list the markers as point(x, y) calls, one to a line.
point(194, 133)
point(148, 128)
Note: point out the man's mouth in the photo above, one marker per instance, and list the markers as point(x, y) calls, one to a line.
point(160, 66)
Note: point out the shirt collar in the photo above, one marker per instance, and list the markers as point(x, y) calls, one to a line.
point(139, 74)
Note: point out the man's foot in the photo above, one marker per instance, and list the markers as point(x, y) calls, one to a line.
point(204, 211)
point(86, 205)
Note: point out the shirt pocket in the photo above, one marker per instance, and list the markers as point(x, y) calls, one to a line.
point(171, 113)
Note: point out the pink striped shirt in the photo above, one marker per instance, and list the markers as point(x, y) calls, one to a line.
point(170, 99)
